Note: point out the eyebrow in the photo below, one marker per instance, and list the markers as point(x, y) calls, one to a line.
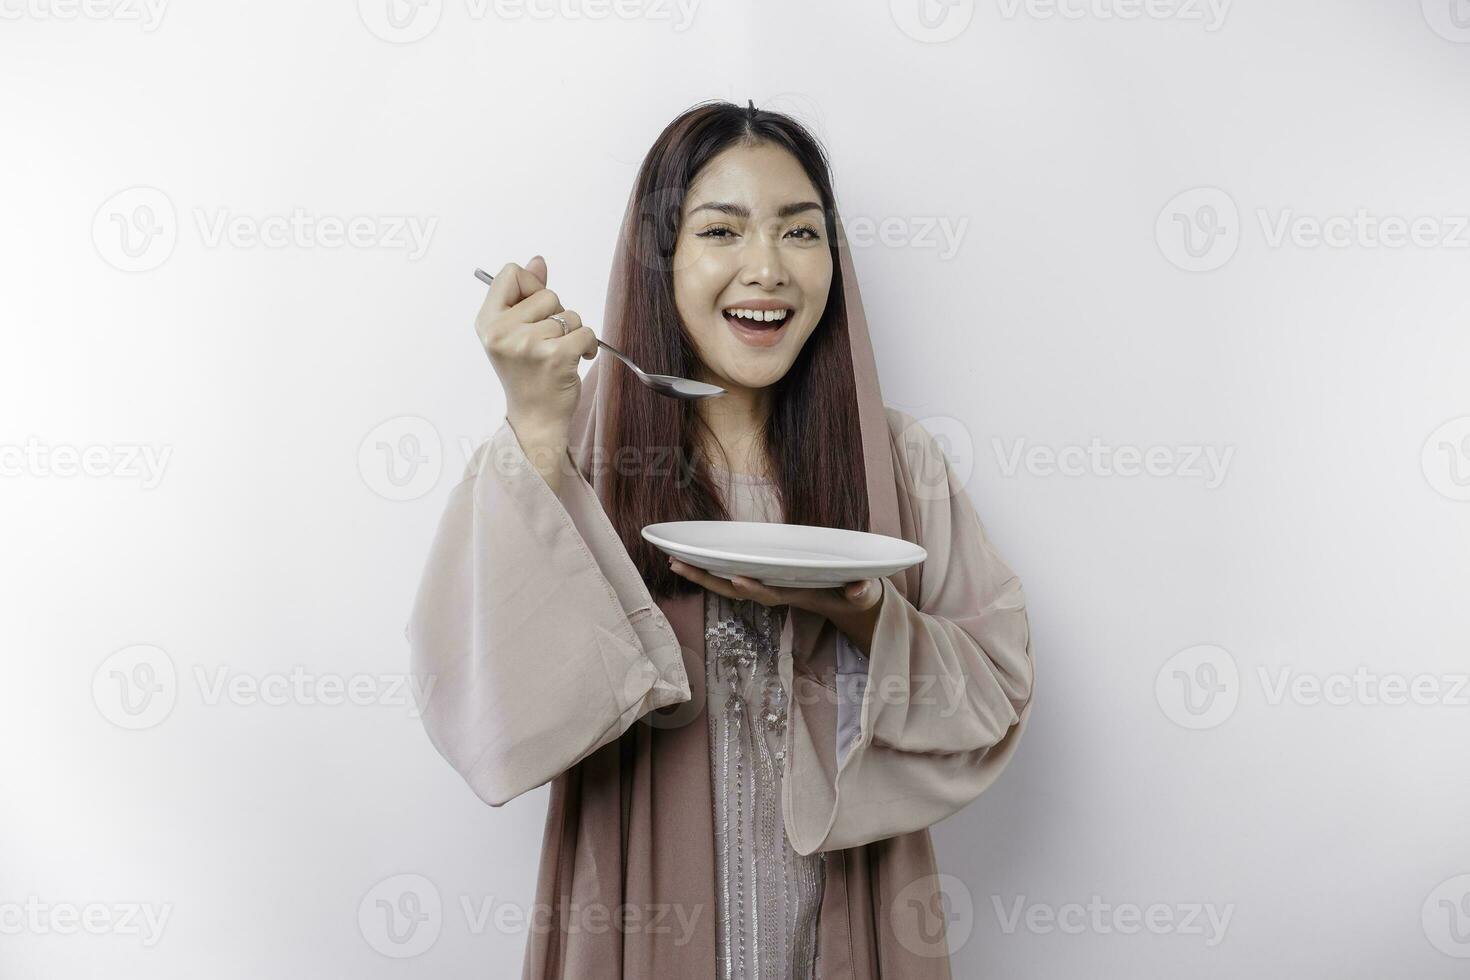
point(741, 211)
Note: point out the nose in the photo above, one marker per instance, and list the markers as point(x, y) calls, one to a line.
point(763, 265)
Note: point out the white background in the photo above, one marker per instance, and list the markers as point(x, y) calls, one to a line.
point(1058, 140)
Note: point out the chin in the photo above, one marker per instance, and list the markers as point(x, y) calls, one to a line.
point(747, 378)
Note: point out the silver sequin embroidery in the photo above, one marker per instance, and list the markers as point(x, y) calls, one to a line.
point(769, 896)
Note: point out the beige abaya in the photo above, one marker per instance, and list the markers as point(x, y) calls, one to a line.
point(552, 662)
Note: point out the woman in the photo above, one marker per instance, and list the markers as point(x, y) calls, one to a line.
point(742, 776)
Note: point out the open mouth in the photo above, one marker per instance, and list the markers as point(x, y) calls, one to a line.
point(757, 320)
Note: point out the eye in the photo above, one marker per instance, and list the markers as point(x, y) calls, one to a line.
point(719, 231)
point(811, 233)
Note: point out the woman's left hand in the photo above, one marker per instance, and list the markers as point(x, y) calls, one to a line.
point(853, 608)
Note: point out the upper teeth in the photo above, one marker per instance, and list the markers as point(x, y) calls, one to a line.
point(766, 315)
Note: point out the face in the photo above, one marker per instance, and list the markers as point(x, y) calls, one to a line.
point(752, 238)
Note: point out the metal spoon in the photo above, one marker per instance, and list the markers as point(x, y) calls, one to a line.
point(664, 384)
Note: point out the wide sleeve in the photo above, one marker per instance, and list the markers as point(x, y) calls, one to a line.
point(928, 721)
point(532, 633)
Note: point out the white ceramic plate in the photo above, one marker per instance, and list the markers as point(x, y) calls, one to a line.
point(791, 556)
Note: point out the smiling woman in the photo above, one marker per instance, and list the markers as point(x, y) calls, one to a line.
point(772, 256)
point(733, 210)
point(760, 764)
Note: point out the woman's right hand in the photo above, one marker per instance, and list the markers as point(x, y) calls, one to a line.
point(536, 363)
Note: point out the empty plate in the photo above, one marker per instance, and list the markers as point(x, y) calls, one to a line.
point(790, 556)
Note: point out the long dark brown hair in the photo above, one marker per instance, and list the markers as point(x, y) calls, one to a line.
point(812, 437)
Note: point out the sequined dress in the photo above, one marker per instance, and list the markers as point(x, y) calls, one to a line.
point(768, 895)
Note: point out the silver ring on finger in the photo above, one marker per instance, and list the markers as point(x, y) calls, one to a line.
point(565, 327)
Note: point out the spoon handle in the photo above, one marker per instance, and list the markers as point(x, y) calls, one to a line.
point(620, 356)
